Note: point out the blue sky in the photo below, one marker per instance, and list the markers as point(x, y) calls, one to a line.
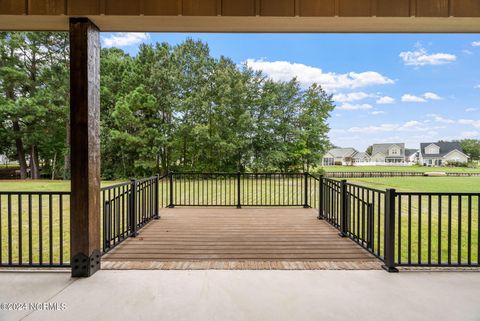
point(388, 88)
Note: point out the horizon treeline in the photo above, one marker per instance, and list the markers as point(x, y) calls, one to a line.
point(168, 108)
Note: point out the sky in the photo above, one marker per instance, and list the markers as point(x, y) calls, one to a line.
point(387, 88)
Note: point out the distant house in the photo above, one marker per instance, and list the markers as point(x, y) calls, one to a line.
point(339, 156)
point(412, 156)
point(388, 153)
point(361, 157)
point(5, 160)
point(441, 153)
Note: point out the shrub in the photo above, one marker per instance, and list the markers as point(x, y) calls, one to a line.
point(456, 164)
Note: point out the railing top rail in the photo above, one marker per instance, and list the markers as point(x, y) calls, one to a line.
point(315, 177)
point(146, 179)
point(243, 173)
point(439, 193)
point(34, 193)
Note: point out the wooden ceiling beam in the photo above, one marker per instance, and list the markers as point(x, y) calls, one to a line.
point(250, 24)
point(267, 15)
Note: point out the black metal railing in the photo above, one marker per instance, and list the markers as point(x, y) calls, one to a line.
point(240, 189)
point(436, 229)
point(34, 229)
point(393, 174)
point(35, 226)
point(126, 208)
point(370, 174)
point(405, 228)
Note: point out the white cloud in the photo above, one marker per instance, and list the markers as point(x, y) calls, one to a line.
point(407, 98)
point(410, 126)
point(377, 112)
point(355, 107)
point(467, 52)
point(421, 57)
point(307, 75)
point(476, 44)
point(440, 119)
point(355, 96)
point(477, 87)
point(472, 122)
point(125, 39)
point(470, 110)
point(373, 129)
point(431, 96)
point(470, 134)
point(385, 100)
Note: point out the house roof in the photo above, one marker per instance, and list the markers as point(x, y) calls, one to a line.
point(342, 152)
point(409, 152)
point(383, 148)
point(361, 155)
point(445, 148)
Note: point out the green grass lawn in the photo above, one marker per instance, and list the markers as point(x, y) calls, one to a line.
point(40, 185)
point(422, 184)
point(420, 169)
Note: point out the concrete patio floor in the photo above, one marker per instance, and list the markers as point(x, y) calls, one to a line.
point(246, 295)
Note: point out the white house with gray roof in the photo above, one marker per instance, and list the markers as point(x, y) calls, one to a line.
point(393, 153)
point(441, 153)
point(339, 156)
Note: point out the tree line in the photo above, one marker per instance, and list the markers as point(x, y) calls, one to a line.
point(167, 108)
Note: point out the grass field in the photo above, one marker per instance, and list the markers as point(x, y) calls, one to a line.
point(40, 185)
point(420, 169)
point(422, 184)
point(424, 213)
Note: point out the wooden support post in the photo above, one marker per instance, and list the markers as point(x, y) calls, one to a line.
point(85, 147)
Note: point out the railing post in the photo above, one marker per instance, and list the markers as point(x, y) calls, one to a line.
point(239, 201)
point(343, 209)
point(170, 175)
point(370, 226)
point(106, 225)
point(305, 178)
point(156, 202)
point(389, 247)
point(321, 200)
point(133, 208)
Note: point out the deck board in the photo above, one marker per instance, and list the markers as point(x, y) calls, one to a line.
point(238, 238)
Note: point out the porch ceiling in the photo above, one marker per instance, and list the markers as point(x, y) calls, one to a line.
point(247, 15)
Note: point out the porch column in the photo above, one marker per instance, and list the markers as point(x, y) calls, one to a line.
point(85, 147)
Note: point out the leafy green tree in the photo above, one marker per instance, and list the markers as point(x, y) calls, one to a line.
point(166, 108)
point(471, 147)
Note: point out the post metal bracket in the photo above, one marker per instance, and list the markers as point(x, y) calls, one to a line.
point(85, 266)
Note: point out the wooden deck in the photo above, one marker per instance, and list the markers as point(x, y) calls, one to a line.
point(219, 238)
